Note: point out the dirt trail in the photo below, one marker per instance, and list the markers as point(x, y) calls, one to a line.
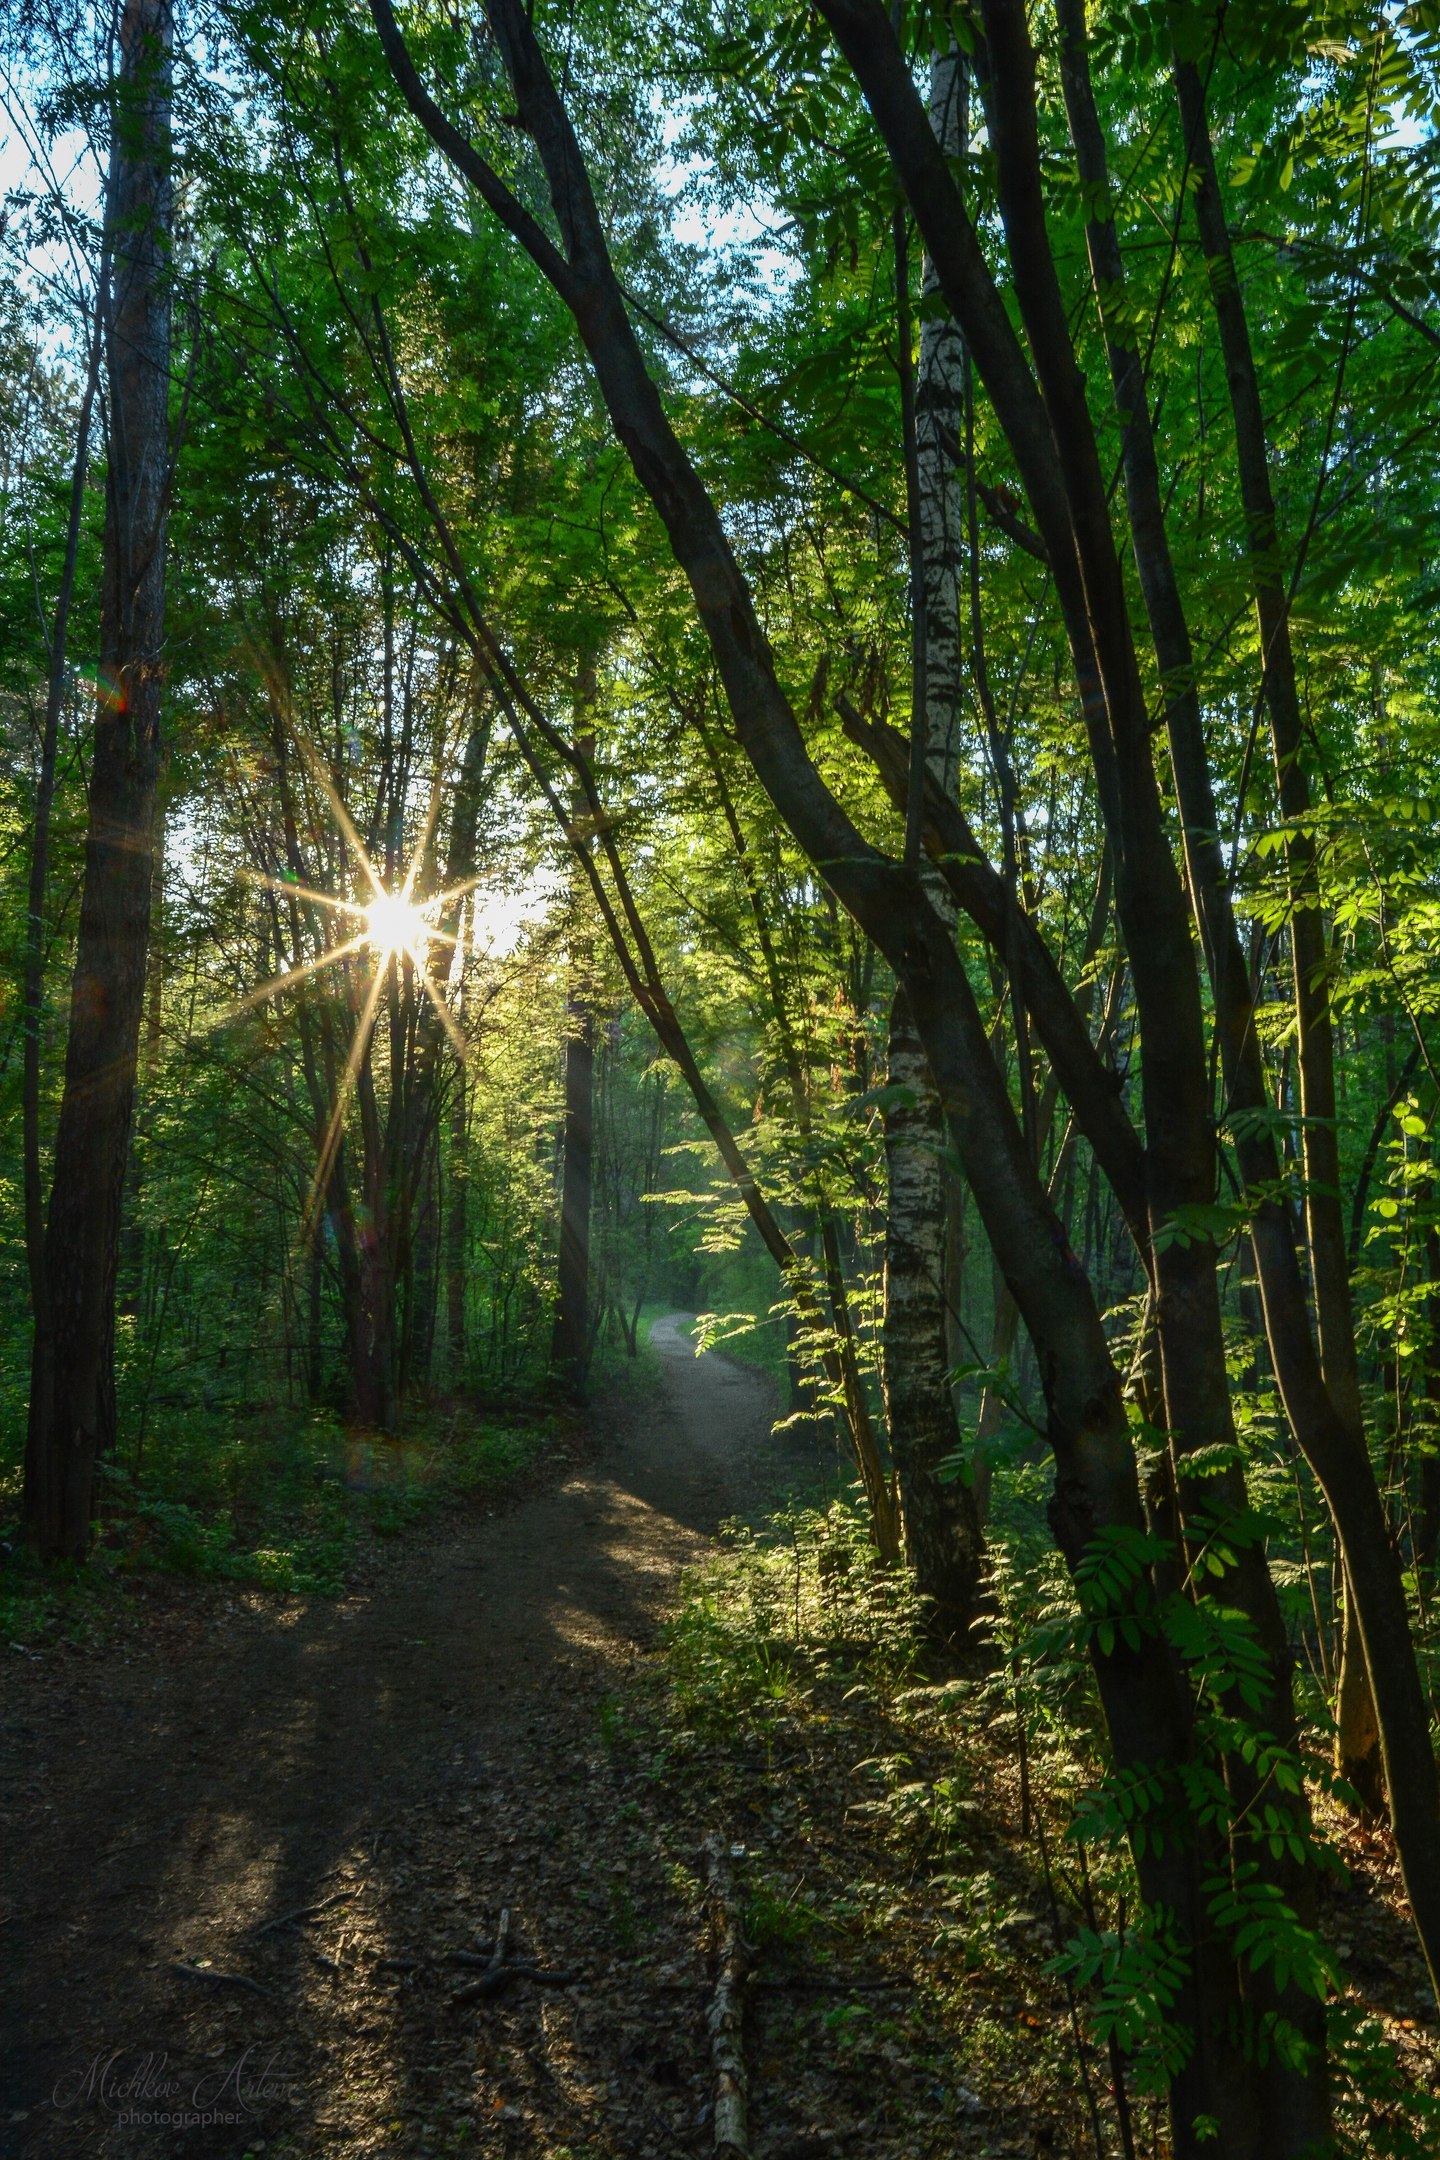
point(422, 1755)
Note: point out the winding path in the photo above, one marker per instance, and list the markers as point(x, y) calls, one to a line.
point(411, 1759)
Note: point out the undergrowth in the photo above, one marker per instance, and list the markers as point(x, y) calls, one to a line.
point(280, 1500)
point(285, 1506)
point(963, 1824)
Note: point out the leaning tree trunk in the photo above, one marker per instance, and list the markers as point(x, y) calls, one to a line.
point(942, 1534)
point(71, 1374)
point(1342, 1469)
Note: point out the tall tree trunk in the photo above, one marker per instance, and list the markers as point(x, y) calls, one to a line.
point(1358, 1739)
point(426, 1109)
point(942, 1532)
point(569, 1354)
point(34, 987)
point(570, 1345)
point(457, 1232)
point(314, 1343)
point(69, 1370)
point(377, 1244)
point(1329, 1445)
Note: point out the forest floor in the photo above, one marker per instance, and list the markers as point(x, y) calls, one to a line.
point(412, 1758)
point(246, 1836)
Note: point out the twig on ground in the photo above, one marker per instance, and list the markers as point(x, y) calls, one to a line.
point(478, 1959)
point(221, 1979)
point(500, 1970)
point(301, 1912)
point(726, 2019)
point(841, 1983)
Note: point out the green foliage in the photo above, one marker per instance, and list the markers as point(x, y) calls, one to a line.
point(776, 1921)
point(1136, 1980)
point(285, 1510)
point(809, 1601)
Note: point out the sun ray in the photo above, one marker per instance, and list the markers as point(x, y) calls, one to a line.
point(306, 969)
point(447, 1018)
point(321, 775)
point(309, 1214)
point(289, 887)
point(432, 814)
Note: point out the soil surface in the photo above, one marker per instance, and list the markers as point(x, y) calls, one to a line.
point(243, 1842)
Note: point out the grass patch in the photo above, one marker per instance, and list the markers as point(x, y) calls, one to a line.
point(283, 1501)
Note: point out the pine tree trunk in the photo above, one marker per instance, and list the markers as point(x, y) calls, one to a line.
point(71, 1375)
point(34, 991)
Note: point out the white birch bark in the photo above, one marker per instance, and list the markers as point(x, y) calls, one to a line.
point(941, 1532)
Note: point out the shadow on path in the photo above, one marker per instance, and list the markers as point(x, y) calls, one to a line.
point(418, 1756)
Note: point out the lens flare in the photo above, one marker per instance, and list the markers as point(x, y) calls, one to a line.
point(394, 924)
point(383, 928)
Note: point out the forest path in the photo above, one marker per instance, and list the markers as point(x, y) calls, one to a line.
point(420, 1755)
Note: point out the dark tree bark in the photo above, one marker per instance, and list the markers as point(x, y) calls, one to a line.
point(71, 1371)
point(1328, 1438)
point(457, 1231)
point(34, 989)
point(1096, 628)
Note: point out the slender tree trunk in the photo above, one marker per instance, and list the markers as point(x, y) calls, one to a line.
point(373, 1376)
point(426, 1112)
point(314, 1311)
point(570, 1346)
point(569, 1355)
point(942, 1532)
point(457, 1232)
point(69, 1372)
